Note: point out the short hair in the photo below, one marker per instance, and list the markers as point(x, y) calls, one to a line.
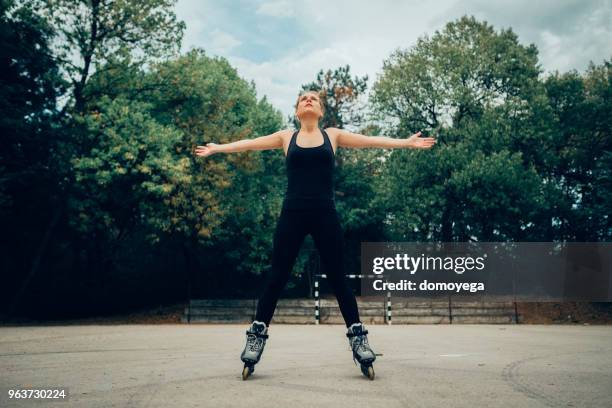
point(319, 93)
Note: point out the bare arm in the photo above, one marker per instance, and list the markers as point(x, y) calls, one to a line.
point(355, 140)
point(272, 141)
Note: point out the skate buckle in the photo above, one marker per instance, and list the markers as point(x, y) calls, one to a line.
point(263, 336)
point(349, 335)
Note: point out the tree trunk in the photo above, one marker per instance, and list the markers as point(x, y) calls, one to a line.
point(447, 226)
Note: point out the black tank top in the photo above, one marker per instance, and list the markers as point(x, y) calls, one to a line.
point(310, 175)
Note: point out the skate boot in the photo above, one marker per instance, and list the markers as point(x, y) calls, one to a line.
point(358, 340)
point(256, 340)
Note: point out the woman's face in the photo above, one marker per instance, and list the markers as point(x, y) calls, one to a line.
point(309, 104)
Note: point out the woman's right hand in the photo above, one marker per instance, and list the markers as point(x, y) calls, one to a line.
point(205, 151)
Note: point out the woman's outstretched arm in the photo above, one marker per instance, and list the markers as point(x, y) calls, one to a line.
point(355, 140)
point(272, 141)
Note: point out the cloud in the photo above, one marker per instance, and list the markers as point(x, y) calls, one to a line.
point(568, 34)
point(338, 33)
point(282, 45)
point(222, 42)
point(280, 8)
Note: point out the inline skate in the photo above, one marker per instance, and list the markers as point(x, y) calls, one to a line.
point(256, 341)
point(358, 340)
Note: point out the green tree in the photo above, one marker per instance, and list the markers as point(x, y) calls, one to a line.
point(583, 150)
point(95, 32)
point(31, 168)
point(477, 91)
point(207, 204)
point(129, 173)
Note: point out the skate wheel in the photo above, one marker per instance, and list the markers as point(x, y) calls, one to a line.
point(246, 371)
point(368, 371)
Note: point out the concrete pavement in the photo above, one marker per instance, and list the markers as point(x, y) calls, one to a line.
point(310, 366)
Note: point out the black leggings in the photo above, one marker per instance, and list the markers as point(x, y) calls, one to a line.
point(292, 227)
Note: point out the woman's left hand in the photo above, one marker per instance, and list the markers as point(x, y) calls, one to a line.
point(417, 142)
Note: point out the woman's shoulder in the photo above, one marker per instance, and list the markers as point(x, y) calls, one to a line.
point(286, 133)
point(332, 132)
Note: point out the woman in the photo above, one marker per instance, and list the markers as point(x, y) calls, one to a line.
point(309, 208)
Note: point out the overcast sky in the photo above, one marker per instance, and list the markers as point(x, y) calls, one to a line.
point(282, 44)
